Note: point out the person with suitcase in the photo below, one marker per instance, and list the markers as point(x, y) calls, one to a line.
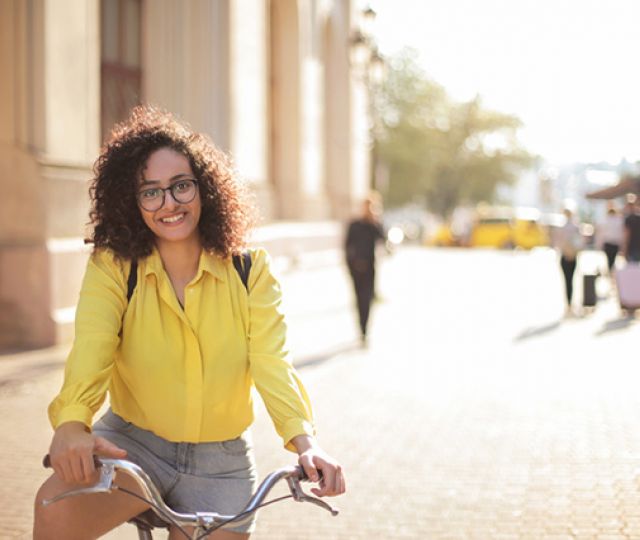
point(632, 234)
point(628, 277)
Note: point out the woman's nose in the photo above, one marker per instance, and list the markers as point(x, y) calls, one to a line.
point(169, 201)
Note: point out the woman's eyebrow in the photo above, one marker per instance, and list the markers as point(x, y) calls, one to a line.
point(147, 181)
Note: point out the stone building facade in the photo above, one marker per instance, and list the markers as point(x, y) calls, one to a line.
point(270, 80)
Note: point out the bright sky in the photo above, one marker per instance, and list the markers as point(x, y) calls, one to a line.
point(570, 69)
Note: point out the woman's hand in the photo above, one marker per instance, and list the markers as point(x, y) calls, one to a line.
point(313, 459)
point(72, 450)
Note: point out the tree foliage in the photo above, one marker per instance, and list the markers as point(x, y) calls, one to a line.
point(439, 151)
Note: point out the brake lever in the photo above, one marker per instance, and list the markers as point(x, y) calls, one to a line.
point(300, 496)
point(103, 485)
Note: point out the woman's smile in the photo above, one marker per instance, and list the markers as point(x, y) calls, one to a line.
point(174, 219)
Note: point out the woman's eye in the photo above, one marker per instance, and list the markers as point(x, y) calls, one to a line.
point(181, 186)
point(150, 193)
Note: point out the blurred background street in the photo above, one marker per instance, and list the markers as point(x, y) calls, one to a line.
point(477, 411)
point(481, 408)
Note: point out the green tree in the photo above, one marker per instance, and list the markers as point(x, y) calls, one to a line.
point(437, 150)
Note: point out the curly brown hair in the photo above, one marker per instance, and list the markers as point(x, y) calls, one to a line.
point(227, 213)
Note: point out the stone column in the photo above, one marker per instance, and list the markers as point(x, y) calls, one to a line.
point(206, 61)
point(49, 136)
point(249, 76)
point(297, 113)
point(347, 139)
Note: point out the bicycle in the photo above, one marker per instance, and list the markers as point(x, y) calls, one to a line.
point(159, 515)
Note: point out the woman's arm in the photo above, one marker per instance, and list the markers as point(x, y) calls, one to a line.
point(98, 323)
point(270, 366)
point(275, 378)
point(88, 371)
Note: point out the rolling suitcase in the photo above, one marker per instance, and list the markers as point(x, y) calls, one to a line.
point(589, 297)
point(628, 283)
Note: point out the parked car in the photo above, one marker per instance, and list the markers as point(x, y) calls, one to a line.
point(507, 228)
point(494, 229)
point(529, 233)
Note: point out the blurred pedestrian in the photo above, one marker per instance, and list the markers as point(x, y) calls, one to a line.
point(629, 203)
point(611, 234)
point(632, 233)
point(569, 242)
point(173, 327)
point(362, 235)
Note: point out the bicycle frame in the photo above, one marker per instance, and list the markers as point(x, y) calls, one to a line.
point(203, 522)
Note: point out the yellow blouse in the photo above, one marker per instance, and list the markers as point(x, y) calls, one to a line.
point(185, 374)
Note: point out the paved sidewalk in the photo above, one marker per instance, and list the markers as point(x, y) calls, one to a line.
point(478, 411)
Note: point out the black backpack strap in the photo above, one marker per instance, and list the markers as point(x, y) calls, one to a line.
point(133, 279)
point(242, 265)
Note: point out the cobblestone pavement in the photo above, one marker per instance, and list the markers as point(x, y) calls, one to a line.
point(477, 412)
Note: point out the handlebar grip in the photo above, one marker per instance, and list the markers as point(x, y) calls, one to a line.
point(302, 475)
point(46, 462)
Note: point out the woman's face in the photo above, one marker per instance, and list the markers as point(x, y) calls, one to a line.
point(172, 220)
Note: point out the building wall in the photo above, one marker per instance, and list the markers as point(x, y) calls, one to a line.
point(268, 80)
point(49, 137)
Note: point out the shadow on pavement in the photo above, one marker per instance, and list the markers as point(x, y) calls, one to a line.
point(324, 356)
point(29, 373)
point(537, 331)
point(615, 324)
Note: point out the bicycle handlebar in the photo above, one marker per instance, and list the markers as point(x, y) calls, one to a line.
point(108, 467)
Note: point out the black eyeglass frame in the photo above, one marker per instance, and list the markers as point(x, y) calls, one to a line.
point(171, 190)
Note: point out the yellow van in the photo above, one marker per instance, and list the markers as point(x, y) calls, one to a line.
point(492, 230)
point(506, 228)
point(528, 233)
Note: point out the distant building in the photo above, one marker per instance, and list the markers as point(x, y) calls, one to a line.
point(270, 81)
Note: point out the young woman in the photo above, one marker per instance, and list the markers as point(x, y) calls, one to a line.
point(179, 357)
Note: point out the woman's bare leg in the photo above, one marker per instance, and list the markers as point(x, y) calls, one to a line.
point(83, 516)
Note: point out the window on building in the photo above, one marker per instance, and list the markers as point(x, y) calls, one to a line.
point(121, 60)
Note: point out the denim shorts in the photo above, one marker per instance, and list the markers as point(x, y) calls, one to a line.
point(205, 477)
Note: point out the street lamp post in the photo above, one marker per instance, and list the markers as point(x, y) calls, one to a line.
point(370, 66)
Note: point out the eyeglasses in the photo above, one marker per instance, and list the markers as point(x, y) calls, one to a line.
point(183, 191)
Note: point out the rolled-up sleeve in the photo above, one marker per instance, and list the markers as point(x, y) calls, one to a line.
point(98, 320)
point(275, 378)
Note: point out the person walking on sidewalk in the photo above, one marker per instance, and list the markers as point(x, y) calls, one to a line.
point(360, 246)
point(632, 233)
point(611, 233)
point(180, 354)
point(569, 242)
